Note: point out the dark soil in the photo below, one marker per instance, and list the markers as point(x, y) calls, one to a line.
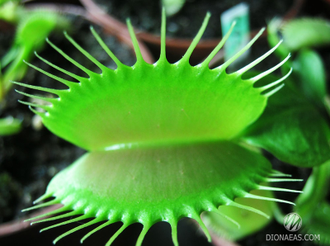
point(145, 14)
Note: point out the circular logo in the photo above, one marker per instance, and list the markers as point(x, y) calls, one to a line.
point(292, 222)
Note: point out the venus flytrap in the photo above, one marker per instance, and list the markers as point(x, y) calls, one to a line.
point(160, 139)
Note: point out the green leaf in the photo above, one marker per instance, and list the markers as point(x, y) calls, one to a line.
point(292, 130)
point(9, 126)
point(309, 69)
point(306, 32)
point(172, 6)
point(35, 28)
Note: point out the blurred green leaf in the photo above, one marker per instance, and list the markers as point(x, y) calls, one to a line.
point(10, 11)
point(172, 6)
point(306, 32)
point(9, 126)
point(309, 70)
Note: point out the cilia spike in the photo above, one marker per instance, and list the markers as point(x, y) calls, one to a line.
point(159, 140)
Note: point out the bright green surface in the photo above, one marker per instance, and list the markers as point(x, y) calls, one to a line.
point(155, 181)
point(154, 103)
point(148, 185)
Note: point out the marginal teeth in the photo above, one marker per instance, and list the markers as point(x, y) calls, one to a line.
point(36, 105)
point(245, 48)
point(70, 214)
point(174, 231)
point(283, 180)
point(39, 88)
point(248, 208)
point(44, 99)
point(54, 212)
point(43, 197)
point(66, 222)
point(257, 61)
point(74, 62)
point(52, 202)
point(136, 46)
point(279, 174)
point(92, 222)
point(261, 187)
point(162, 56)
point(109, 222)
point(63, 81)
point(197, 217)
point(186, 57)
point(227, 217)
point(263, 88)
point(249, 195)
point(143, 233)
point(106, 48)
point(263, 74)
point(122, 228)
point(206, 62)
point(272, 92)
point(86, 54)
